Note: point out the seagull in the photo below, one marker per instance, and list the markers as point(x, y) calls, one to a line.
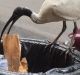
point(50, 11)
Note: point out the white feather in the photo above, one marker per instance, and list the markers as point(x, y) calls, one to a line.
point(58, 10)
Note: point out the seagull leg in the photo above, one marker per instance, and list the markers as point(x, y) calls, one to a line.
point(50, 46)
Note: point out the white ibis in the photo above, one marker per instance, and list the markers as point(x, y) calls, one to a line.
point(51, 11)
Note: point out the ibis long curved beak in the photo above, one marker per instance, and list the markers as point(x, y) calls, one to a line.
point(11, 21)
point(3, 30)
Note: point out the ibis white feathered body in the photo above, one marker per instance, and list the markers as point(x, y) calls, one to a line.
point(57, 10)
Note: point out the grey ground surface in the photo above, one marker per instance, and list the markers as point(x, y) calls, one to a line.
point(25, 27)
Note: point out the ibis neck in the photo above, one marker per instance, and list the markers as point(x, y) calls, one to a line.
point(27, 12)
point(34, 16)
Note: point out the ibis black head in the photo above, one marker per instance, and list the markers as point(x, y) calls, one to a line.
point(17, 13)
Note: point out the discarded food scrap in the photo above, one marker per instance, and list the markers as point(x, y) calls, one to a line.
point(12, 52)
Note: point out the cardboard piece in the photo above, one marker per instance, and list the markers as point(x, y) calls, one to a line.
point(12, 52)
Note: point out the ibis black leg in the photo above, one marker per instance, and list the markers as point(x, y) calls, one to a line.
point(53, 43)
point(75, 27)
point(63, 29)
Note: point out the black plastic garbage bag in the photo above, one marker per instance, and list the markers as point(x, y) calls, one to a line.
point(44, 62)
point(41, 60)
